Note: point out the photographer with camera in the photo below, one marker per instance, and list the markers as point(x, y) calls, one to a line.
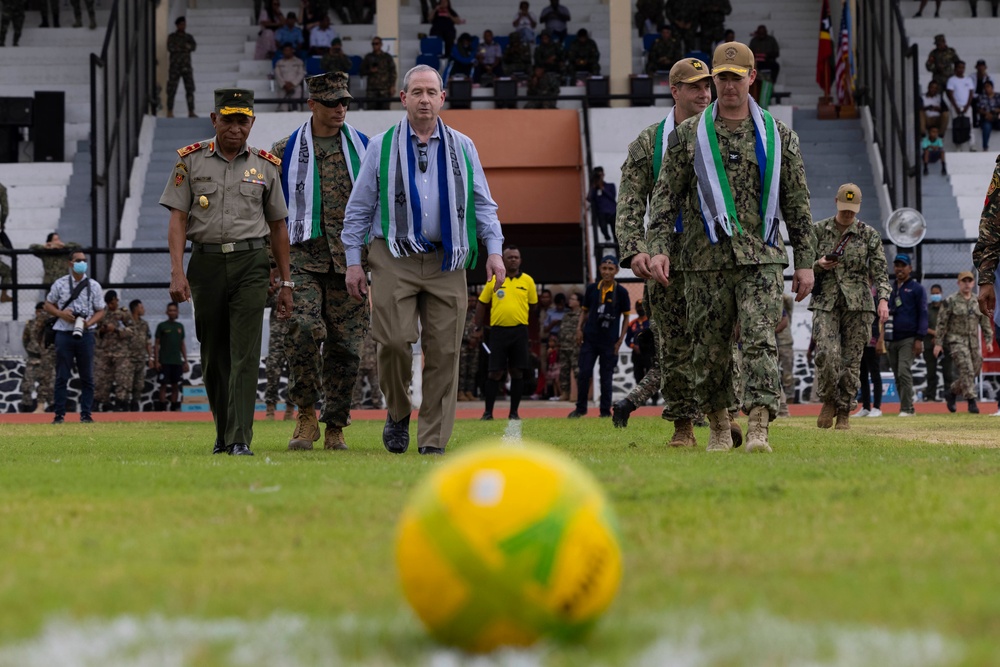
point(76, 304)
point(851, 261)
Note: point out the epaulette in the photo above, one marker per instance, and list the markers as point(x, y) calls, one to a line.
point(187, 150)
point(267, 156)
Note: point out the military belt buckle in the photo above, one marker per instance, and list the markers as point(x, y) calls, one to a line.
point(228, 248)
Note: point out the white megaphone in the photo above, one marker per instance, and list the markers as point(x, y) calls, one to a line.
point(906, 227)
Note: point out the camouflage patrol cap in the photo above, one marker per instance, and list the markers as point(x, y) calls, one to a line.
point(229, 101)
point(849, 197)
point(733, 57)
point(329, 87)
point(688, 70)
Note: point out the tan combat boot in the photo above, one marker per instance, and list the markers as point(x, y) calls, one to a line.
point(757, 431)
point(720, 437)
point(269, 412)
point(736, 431)
point(683, 434)
point(825, 419)
point(843, 420)
point(306, 431)
point(289, 411)
point(334, 438)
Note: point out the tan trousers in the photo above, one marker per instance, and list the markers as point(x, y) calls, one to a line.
point(407, 291)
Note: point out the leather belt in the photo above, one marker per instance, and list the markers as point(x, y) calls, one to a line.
point(226, 248)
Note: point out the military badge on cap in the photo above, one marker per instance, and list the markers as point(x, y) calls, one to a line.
point(229, 101)
point(733, 57)
point(688, 70)
point(849, 197)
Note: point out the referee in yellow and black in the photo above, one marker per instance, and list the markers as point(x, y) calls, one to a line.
point(225, 197)
point(508, 343)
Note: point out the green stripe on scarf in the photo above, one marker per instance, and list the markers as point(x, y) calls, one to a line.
point(353, 157)
point(317, 227)
point(658, 150)
point(383, 191)
point(470, 215)
point(727, 192)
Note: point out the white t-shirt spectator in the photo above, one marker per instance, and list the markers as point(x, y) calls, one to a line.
point(319, 38)
point(524, 21)
point(963, 90)
point(933, 101)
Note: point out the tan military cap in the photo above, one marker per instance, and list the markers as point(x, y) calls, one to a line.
point(733, 57)
point(688, 70)
point(966, 274)
point(849, 198)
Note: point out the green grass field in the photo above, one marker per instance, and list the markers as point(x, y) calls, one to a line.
point(126, 544)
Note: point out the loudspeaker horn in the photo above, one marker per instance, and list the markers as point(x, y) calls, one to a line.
point(906, 227)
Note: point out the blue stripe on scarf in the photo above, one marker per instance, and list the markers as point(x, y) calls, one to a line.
point(444, 209)
point(679, 225)
point(758, 146)
point(418, 215)
point(286, 158)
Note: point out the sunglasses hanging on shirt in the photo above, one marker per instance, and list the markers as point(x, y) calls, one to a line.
point(422, 156)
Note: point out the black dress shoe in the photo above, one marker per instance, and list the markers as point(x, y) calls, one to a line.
point(487, 417)
point(949, 399)
point(576, 414)
point(605, 415)
point(432, 451)
point(620, 412)
point(86, 419)
point(396, 434)
point(514, 416)
point(220, 447)
point(57, 420)
point(239, 449)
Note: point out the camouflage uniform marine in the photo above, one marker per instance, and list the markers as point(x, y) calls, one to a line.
point(569, 351)
point(336, 62)
point(468, 362)
point(545, 86)
point(786, 353)
point(583, 56)
point(90, 12)
point(276, 360)
point(380, 69)
point(34, 377)
point(550, 55)
point(941, 62)
point(736, 282)
point(180, 46)
point(958, 329)
point(663, 54)
point(843, 309)
point(111, 357)
point(368, 368)
point(53, 260)
point(517, 55)
point(140, 355)
point(325, 314)
point(12, 12)
point(712, 21)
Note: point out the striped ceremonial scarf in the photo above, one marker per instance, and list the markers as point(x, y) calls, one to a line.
point(304, 198)
point(714, 192)
point(666, 126)
point(401, 213)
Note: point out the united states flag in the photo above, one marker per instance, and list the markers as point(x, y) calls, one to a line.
point(844, 73)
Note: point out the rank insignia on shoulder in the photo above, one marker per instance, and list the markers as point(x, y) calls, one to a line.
point(187, 150)
point(673, 140)
point(994, 184)
point(267, 156)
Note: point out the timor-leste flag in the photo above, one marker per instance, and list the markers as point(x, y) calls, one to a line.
point(824, 55)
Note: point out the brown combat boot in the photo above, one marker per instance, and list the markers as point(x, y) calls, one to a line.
point(843, 420)
point(736, 431)
point(334, 438)
point(269, 412)
point(720, 437)
point(825, 419)
point(289, 411)
point(683, 434)
point(306, 431)
point(757, 431)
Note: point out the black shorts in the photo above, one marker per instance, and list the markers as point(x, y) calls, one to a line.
point(508, 347)
point(171, 373)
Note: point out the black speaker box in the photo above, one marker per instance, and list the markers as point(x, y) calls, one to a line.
point(48, 131)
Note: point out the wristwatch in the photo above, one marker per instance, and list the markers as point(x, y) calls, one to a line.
point(287, 283)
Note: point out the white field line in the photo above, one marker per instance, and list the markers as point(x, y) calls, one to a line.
point(290, 640)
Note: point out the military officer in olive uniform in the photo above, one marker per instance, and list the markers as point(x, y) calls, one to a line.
point(583, 55)
point(731, 256)
point(180, 46)
point(549, 54)
point(544, 85)
point(380, 68)
point(327, 316)
point(958, 328)
point(225, 197)
point(851, 260)
point(517, 55)
point(664, 53)
point(941, 62)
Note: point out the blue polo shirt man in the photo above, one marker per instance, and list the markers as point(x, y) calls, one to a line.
point(908, 309)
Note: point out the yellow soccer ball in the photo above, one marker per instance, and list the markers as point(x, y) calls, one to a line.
point(503, 545)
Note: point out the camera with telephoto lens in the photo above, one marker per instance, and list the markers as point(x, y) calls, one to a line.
point(79, 325)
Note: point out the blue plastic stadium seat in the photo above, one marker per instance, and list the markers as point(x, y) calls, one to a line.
point(355, 66)
point(648, 40)
point(502, 40)
point(433, 61)
point(570, 38)
point(432, 46)
point(313, 66)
